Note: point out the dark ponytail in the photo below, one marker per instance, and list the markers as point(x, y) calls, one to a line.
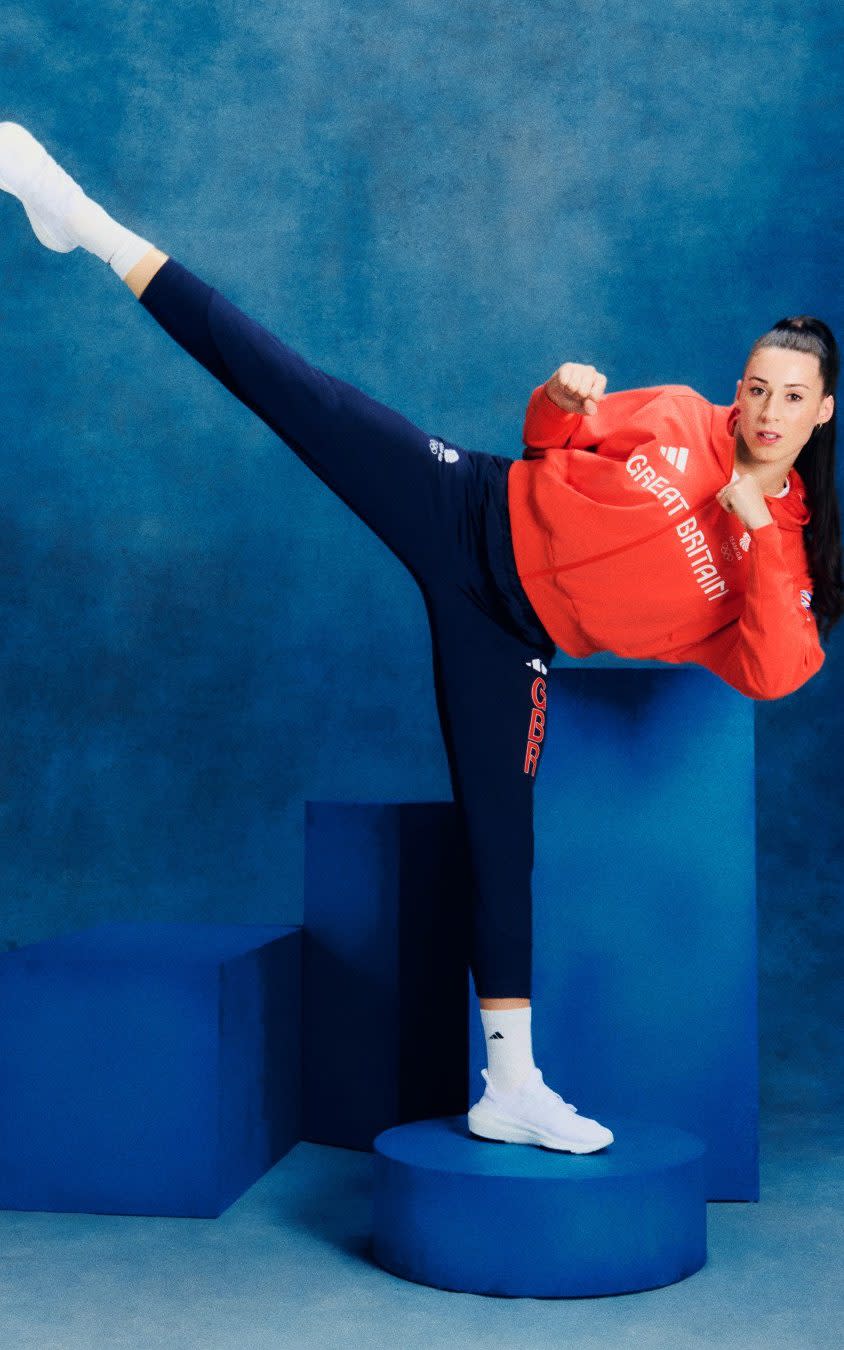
point(816, 466)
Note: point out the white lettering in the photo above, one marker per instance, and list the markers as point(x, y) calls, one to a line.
point(694, 541)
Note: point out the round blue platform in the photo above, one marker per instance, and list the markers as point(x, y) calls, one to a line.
point(467, 1214)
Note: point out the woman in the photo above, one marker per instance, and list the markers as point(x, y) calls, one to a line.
point(644, 548)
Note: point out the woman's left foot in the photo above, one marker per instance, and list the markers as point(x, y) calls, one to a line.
point(47, 192)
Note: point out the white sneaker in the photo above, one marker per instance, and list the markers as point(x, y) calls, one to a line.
point(534, 1114)
point(45, 189)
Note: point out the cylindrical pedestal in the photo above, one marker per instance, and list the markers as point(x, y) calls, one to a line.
point(487, 1218)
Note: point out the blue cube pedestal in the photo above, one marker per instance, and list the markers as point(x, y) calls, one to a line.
point(386, 951)
point(148, 1068)
point(644, 913)
point(459, 1213)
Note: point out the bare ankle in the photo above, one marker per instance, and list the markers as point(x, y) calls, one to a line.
point(139, 276)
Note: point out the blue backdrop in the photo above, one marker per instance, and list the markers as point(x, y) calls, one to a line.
point(441, 204)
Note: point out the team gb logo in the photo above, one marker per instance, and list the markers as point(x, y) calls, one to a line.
point(438, 449)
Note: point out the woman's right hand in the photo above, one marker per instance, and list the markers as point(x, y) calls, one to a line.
point(576, 388)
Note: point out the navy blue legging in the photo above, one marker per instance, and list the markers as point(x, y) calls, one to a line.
point(441, 510)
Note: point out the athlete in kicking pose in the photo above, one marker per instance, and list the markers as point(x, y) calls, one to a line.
point(634, 549)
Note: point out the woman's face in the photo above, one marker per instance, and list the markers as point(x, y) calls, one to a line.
point(780, 400)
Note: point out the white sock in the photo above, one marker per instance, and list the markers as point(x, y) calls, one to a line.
point(507, 1032)
point(97, 232)
point(61, 215)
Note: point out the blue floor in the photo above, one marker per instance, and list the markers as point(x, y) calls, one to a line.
point(288, 1265)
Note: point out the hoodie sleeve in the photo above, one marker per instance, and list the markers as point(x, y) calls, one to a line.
point(548, 427)
point(773, 648)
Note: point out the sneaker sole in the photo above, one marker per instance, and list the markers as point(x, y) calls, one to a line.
point(46, 236)
point(41, 231)
point(506, 1132)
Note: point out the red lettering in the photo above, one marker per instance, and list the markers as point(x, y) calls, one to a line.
point(536, 731)
point(537, 725)
point(531, 757)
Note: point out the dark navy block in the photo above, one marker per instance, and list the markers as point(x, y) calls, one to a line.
point(386, 986)
point(512, 1219)
point(644, 918)
point(148, 1068)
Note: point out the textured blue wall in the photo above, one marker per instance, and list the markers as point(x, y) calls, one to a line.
point(440, 203)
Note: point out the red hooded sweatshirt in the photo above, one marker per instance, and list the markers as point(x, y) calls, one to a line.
point(622, 546)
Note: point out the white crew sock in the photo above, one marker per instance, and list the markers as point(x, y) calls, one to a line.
point(97, 232)
point(507, 1033)
point(61, 215)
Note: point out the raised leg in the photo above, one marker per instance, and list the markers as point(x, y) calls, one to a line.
point(391, 473)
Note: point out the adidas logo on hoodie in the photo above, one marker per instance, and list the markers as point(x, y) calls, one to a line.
point(676, 455)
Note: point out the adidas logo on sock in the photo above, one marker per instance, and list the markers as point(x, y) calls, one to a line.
point(496, 1036)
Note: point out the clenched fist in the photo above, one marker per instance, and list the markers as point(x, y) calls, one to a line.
point(576, 388)
point(745, 499)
